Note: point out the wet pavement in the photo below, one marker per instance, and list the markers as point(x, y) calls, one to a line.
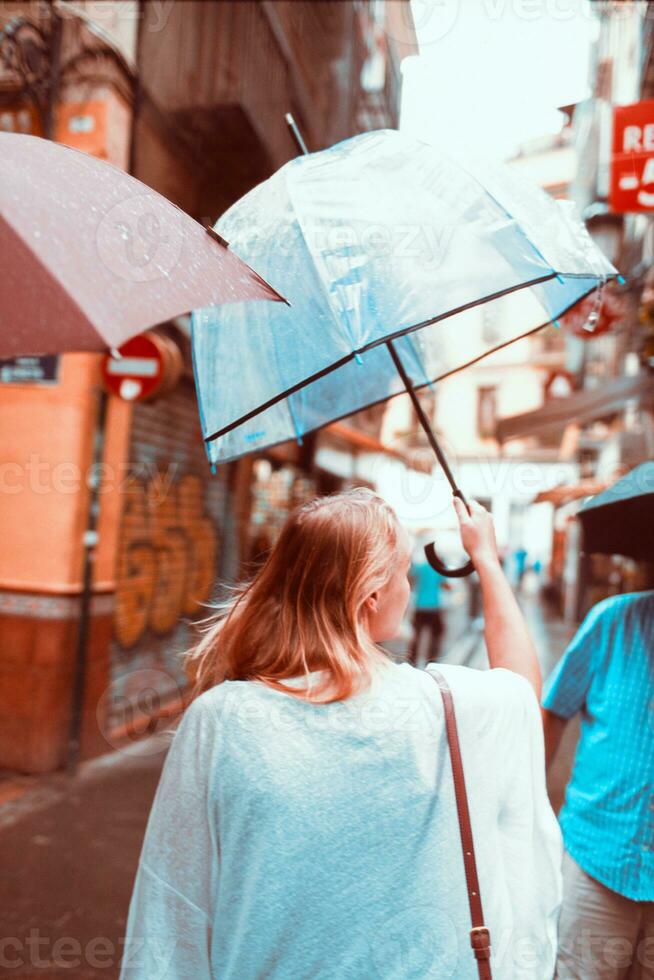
point(68, 853)
point(69, 844)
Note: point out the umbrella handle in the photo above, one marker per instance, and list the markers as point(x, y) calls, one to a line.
point(442, 568)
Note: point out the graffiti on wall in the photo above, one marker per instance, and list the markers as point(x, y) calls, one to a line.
point(167, 557)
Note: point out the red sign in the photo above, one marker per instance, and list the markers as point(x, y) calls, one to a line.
point(632, 158)
point(148, 365)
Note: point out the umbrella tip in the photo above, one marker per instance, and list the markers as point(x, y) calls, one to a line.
point(296, 134)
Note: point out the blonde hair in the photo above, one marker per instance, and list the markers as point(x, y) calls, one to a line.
point(304, 609)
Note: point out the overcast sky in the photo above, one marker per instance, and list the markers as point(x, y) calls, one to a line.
point(491, 73)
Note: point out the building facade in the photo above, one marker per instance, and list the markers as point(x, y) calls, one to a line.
point(190, 98)
point(602, 418)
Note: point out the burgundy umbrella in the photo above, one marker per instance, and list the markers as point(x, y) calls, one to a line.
point(91, 256)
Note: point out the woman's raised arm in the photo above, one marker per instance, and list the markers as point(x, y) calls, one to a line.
point(508, 640)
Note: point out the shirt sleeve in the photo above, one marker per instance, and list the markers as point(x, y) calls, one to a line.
point(168, 935)
point(565, 690)
point(530, 841)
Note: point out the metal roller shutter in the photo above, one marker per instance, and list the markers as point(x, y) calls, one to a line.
point(176, 537)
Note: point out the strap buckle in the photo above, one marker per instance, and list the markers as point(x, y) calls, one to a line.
point(480, 940)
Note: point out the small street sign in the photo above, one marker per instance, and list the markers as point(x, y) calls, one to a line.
point(30, 369)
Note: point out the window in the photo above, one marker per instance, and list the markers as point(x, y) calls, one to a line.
point(486, 412)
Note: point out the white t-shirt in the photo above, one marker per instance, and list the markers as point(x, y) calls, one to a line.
point(292, 841)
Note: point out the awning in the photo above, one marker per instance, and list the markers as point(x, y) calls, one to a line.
point(339, 434)
point(581, 407)
point(564, 494)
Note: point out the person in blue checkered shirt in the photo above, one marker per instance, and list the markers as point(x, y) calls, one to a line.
point(606, 925)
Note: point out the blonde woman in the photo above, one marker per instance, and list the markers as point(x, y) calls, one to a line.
point(305, 826)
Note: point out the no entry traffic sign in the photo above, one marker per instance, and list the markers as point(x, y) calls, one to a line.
point(148, 365)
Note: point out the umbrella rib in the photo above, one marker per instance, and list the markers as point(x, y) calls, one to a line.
point(460, 309)
point(277, 398)
point(488, 299)
point(378, 401)
point(400, 333)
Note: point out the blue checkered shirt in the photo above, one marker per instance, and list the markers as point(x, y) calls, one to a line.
point(607, 673)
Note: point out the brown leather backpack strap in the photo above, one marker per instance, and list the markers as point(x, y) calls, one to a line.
point(480, 939)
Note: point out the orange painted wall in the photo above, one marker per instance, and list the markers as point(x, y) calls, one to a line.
point(46, 449)
point(47, 445)
point(47, 434)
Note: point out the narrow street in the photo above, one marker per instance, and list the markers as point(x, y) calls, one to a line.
point(288, 290)
point(69, 846)
point(69, 849)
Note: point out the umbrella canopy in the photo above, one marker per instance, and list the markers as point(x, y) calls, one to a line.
point(379, 239)
point(563, 494)
point(91, 256)
point(620, 521)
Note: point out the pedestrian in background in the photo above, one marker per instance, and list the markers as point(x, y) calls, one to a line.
point(428, 616)
point(520, 562)
point(305, 824)
point(606, 930)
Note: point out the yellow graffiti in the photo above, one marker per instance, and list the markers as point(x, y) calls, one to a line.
point(167, 557)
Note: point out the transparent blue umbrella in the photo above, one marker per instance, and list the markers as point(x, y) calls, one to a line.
point(384, 246)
